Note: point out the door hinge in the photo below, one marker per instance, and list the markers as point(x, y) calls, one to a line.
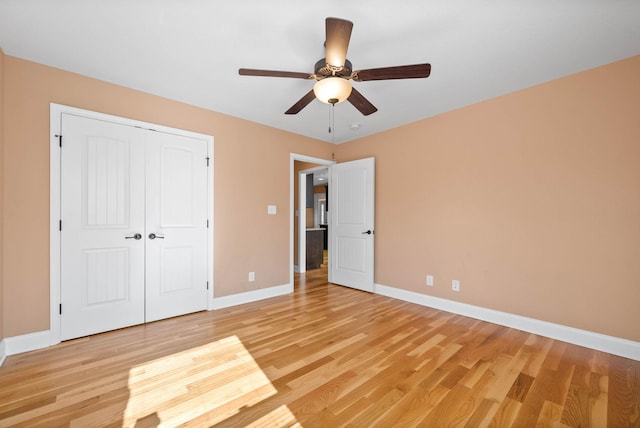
point(60, 308)
point(207, 160)
point(59, 137)
point(60, 225)
point(207, 285)
point(207, 223)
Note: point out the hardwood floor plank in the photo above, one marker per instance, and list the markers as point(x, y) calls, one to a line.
point(316, 401)
point(624, 392)
point(483, 414)
point(476, 373)
point(577, 407)
point(538, 347)
point(324, 356)
point(550, 416)
point(454, 409)
point(507, 414)
point(520, 387)
point(599, 402)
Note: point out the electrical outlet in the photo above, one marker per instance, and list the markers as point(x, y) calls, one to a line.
point(252, 276)
point(455, 285)
point(430, 280)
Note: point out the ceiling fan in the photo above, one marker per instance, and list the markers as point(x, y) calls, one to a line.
point(334, 72)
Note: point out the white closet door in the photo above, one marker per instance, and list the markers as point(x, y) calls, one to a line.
point(102, 204)
point(176, 201)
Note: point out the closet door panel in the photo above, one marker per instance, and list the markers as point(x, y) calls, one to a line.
point(176, 201)
point(102, 203)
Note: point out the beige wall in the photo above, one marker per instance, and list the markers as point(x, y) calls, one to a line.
point(531, 200)
point(1, 192)
point(246, 238)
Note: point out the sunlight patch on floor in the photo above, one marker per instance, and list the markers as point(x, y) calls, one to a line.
point(209, 383)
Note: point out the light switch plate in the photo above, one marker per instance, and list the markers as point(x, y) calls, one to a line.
point(272, 209)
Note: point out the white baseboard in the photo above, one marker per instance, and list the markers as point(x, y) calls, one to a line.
point(251, 296)
point(27, 342)
point(613, 345)
point(42, 339)
point(3, 354)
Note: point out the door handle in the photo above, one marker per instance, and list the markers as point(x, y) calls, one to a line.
point(154, 236)
point(368, 232)
point(137, 237)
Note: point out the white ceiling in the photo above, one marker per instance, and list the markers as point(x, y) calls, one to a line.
point(190, 50)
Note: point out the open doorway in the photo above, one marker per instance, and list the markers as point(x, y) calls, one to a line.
point(350, 220)
point(303, 218)
point(313, 218)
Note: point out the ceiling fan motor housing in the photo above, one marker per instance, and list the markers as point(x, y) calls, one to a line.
point(323, 70)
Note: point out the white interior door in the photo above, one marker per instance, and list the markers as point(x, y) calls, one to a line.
point(177, 217)
point(134, 226)
point(102, 207)
point(351, 224)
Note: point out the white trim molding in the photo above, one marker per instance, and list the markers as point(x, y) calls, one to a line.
point(601, 342)
point(251, 296)
point(3, 354)
point(26, 342)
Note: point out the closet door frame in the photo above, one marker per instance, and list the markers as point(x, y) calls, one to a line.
point(56, 111)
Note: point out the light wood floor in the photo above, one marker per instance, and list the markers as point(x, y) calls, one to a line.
point(326, 356)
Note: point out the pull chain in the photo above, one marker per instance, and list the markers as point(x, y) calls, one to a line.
point(332, 123)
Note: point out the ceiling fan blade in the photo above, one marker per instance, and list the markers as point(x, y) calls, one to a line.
point(302, 103)
point(361, 103)
point(399, 72)
point(338, 33)
point(273, 73)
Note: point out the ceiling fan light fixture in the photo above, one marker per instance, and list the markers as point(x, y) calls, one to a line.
point(332, 90)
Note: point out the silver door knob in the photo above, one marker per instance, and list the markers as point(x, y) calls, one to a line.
point(154, 236)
